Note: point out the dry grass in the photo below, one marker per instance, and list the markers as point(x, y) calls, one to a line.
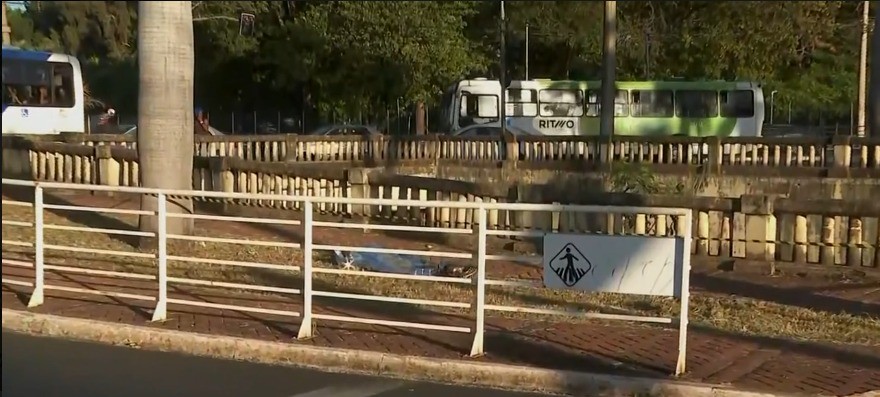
point(728, 313)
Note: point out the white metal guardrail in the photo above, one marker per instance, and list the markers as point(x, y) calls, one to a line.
point(612, 276)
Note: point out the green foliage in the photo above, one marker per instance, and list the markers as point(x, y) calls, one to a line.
point(361, 57)
point(640, 179)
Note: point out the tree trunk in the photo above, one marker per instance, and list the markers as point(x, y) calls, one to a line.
point(166, 63)
point(874, 83)
point(7, 31)
point(421, 122)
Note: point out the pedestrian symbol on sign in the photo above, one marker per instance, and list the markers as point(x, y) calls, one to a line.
point(570, 264)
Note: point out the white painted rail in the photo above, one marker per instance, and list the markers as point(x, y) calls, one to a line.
point(302, 263)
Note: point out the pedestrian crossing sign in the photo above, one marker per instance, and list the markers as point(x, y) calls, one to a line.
point(570, 265)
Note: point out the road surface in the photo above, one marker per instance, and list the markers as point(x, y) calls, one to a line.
point(45, 367)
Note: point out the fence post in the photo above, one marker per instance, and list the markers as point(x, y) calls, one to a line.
point(685, 293)
point(39, 274)
point(305, 327)
point(161, 312)
point(480, 281)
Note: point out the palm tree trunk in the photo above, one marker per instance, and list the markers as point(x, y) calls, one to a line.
point(166, 63)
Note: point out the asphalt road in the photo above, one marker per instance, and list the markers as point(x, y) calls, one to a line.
point(45, 367)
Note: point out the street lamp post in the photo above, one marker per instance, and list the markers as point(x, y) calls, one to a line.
point(863, 73)
point(503, 75)
point(609, 73)
point(772, 105)
point(527, 51)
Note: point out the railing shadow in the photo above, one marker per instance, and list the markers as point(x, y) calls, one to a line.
point(89, 219)
point(849, 355)
point(519, 348)
point(795, 296)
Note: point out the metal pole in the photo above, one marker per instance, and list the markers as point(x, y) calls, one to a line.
point(161, 311)
point(37, 296)
point(772, 105)
point(863, 72)
point(874, 94)
point(527, 51)
point(305, 326)
point(647, 54)
point(609, 64)
point(503, 75)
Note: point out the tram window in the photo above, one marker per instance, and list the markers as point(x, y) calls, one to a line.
point(561, 103)
point(696, 104)
point(522, 103)
point(738, 104)
point(652, 103)
point(594, 103)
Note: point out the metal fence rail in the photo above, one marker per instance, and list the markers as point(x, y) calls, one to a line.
point(161, 258)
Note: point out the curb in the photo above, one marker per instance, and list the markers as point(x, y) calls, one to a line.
point(356, 361)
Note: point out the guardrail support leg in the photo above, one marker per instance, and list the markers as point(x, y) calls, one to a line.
point(161, 312)
point(684, 294)
point(39, 258)
point(305, 327)
point(480, 283)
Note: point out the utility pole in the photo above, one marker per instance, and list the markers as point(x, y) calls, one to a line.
point(863, 73)
point(527, 51)
point(609, 72)
point(503, 75)
point(874, 94)
point(7, 31)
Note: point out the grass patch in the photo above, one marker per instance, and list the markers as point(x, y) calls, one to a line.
point(728, 313)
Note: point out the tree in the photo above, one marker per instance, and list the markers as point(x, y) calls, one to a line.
point(351, 58)
point(362, 55)
point(165, 106)
point(7, 37)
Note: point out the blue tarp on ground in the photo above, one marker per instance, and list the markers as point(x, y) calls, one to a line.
point(386, 263)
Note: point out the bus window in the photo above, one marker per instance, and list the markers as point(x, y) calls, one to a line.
point(38, 84)
point(652, 103)
point(16, 95)
point(594, 103)
point(696, 104)
point(62, 84)
point(738, 104)
point(479, 106)
point(562, 103)
point(522, 103)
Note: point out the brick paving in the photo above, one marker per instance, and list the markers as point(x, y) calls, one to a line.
point(713, 356)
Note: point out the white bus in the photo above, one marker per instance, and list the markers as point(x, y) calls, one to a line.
point(642, 108)
point(42, 93)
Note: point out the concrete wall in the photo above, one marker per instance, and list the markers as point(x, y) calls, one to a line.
point(687, 180)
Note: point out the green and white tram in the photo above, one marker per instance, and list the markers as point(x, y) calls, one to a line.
point(642, 108)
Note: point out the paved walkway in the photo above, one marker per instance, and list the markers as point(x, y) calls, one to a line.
point(714, 356)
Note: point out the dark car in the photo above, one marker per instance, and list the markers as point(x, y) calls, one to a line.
point(346, 129)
